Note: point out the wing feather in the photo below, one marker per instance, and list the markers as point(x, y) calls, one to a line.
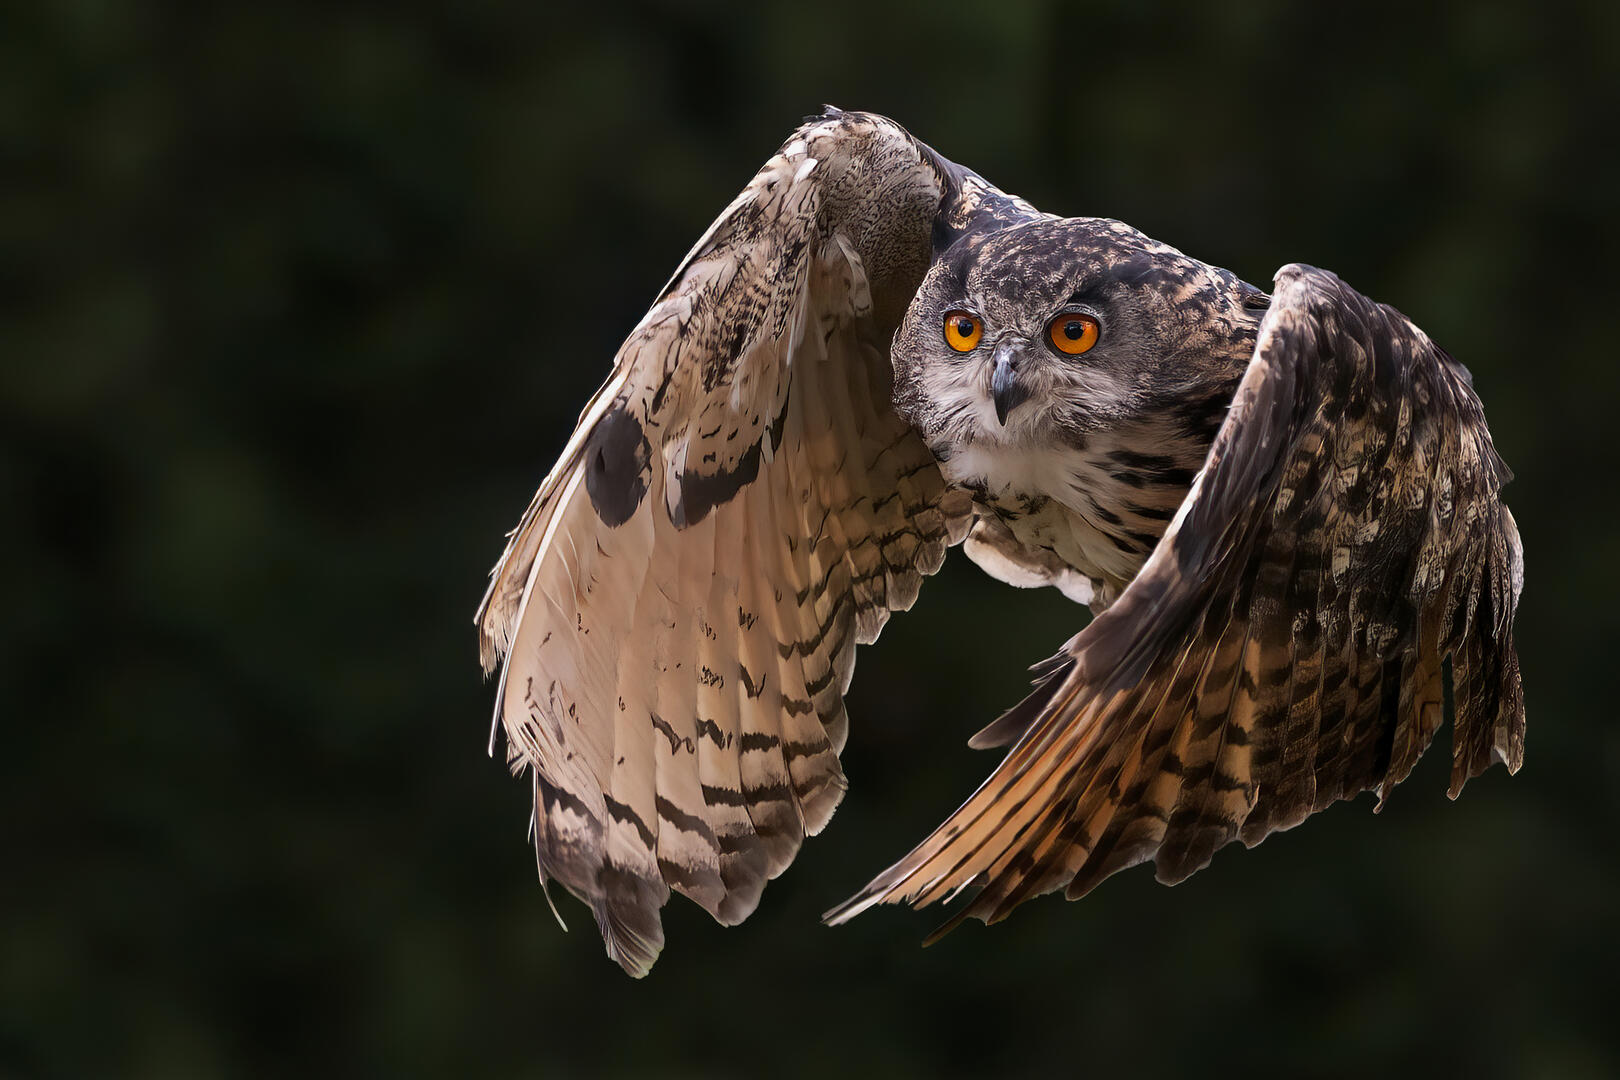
point(676, 614)
point(1285, 644)
point(767, 618)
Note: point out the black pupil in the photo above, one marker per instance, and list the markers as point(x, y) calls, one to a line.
point(1075, 330)
point(964, 327)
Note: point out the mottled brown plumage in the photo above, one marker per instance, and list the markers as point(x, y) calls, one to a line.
point(1284, 646)
point(786, 447)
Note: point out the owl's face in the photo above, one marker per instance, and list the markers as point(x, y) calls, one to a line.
point(1055, 329)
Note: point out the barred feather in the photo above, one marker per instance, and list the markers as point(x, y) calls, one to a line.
point(759, 484)
point(678, 610)
point(1284, 646)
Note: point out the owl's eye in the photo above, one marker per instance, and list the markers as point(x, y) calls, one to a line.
point(1073, 333)
point(962, 330)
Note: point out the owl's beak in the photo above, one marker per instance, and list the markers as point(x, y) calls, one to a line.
point(1005, 388)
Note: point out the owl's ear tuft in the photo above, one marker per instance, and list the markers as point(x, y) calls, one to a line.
point(616, 458)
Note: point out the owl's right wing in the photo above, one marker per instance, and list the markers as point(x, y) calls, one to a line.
point(740, 505)
point(1285, 645)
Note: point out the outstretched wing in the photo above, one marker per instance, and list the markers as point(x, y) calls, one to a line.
point(1284, 645)
point(678, 609)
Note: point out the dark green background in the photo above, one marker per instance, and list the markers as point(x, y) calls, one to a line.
point(301, 302)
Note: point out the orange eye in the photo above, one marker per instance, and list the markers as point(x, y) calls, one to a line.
point(962, 330)
point(1073, 333)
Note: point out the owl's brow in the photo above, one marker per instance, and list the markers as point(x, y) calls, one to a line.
point(1088, 294)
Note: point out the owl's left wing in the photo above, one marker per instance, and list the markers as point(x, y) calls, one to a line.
point(1284, 646)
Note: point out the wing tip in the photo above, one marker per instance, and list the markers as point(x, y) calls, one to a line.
point(1011, 725)
point(628, 916)
point(841, 913)
point(875, 892)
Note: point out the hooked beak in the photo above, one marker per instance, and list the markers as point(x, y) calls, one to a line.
point(1005, 388)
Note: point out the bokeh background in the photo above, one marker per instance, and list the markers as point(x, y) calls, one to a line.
point(301, 301)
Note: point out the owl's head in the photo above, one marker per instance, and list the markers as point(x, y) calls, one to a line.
point(1058, 328)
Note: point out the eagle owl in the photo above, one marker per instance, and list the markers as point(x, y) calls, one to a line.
point(1283, 511)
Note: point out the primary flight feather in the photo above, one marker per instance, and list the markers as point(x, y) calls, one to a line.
point(1283, 509)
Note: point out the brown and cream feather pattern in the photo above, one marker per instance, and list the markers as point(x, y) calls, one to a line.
point(1284, 646)
point(678, 610)
point(784, 449)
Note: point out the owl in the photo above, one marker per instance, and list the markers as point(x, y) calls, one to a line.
point(1281, 509)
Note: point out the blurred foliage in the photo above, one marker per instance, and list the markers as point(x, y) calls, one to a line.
point(301, 302)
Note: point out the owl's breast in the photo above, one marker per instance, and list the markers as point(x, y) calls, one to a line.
point(1080, 503)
